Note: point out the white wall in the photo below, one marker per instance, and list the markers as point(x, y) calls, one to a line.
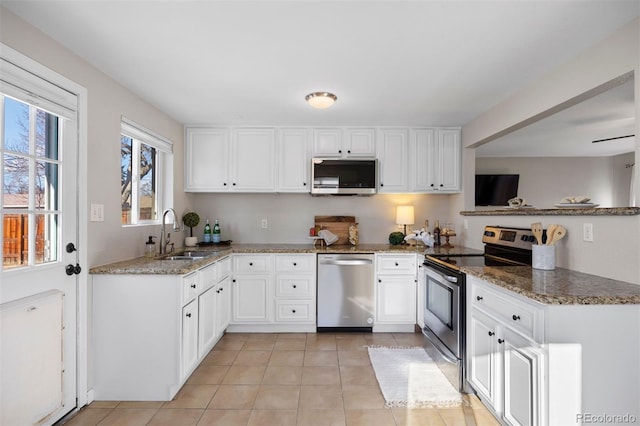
point(108, 241)
point(290, 216)
point(616, 248)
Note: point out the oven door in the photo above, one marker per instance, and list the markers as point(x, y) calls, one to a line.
point(442, 308)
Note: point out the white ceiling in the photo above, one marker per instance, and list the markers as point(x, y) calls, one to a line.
point(571, 132)
point(389, 62)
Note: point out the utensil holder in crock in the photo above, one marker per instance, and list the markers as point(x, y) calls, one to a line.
point(543, 257)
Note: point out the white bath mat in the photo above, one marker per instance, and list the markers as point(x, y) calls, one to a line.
point(408, 377)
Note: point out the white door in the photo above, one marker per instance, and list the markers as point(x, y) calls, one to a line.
point(393, 154)
point(39, 222)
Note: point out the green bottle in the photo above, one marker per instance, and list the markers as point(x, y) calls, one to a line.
point(207, 232)
point(216, 232)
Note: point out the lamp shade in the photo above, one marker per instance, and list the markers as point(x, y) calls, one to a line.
point(404, 215)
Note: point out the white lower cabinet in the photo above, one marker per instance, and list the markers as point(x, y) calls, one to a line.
point(150, 332)
point(273, 293)
point(223, 306)
point(250, 298)
point(207, 333)
point(396, 282)
point(189, 352)
point(546, 364)
point(505, 367)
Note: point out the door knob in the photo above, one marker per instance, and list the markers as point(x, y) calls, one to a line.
point(70, 248)
point(71, 269)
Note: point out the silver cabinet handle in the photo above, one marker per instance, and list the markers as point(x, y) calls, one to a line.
point(451, 279)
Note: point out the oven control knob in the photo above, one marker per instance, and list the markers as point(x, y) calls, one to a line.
point(524, 238)
point(531, 238)
point(489, 233)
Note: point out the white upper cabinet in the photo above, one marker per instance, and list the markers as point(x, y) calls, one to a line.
point(253, 154)
point(294, 162)
point(277, 159)
point(334, 143)
point(436, 159)
point(393, 160)
point(359, 143)
point(449, 159)
point(206, 159)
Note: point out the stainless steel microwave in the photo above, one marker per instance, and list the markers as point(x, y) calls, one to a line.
point(334, 176)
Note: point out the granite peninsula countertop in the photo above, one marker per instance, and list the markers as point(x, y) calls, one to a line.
point(559, 286)
point(145, 265)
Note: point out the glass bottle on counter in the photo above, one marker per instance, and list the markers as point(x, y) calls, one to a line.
point(216, 232)
point(207, 232)
point(436, 234)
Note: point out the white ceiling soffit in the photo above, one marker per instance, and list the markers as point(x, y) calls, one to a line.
point(389, 62)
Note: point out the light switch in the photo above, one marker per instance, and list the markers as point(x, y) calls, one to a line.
point(97, 213)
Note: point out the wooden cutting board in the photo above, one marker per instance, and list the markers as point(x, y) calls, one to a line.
point(338, 225)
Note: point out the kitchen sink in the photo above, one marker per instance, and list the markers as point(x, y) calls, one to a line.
point(190, 255)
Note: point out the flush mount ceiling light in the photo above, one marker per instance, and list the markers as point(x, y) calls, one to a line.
point(320, 100)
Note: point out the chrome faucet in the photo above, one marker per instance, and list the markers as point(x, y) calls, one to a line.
point(176, 227)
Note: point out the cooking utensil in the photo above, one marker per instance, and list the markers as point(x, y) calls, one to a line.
point(536, 228)
point(550, 230)
point(558, 234)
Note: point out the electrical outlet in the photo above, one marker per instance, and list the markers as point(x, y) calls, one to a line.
point(587, 232)
point(465, 224)
point(264, 224)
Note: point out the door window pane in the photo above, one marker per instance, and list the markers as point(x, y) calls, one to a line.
point(46, 185)
point(15, 241)
point(30, 191)
point(16, 126)
point(15, 179)
point(46, 138)
point(46, 238)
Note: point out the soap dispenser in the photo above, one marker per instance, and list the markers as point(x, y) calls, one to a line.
point(150, 247)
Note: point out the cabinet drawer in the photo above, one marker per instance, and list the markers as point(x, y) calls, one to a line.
point(295, 310)
point(513, 312)
point(251, 264)
point(208, 276)
point(224, 267)
point(295, 286)
point(396, 264)
point(190, 287)
point(295, 263)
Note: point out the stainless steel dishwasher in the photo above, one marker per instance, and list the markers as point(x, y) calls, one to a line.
point(345, 292)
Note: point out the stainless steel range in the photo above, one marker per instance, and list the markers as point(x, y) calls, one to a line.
point(444, 304)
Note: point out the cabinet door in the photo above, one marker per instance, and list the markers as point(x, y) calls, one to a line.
point(483, 358)
point(327, 143)
point(253, 154)
point(360, 143)
point(396, 299)
point(206, 321)
point(423, 161)
point(223, 308)
point(522, 367)
point(189, 348)
point(393, 156)
point(250, 299)
point(206, 160)
point(293, 160)
point(449, 160)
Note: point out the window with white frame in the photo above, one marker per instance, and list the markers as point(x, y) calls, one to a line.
point(146, 164)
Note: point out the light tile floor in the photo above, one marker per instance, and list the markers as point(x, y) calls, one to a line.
point(284, 379)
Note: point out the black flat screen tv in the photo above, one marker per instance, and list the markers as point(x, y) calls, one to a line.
point(496, 190)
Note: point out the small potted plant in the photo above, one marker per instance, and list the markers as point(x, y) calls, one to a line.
point(191, 220)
